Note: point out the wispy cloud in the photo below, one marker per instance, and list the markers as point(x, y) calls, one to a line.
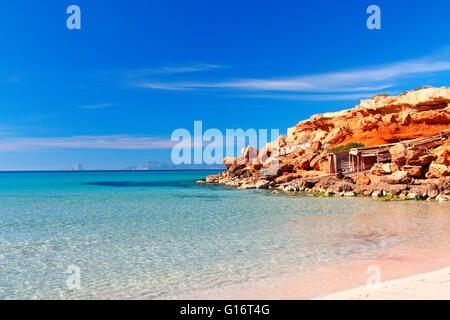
point(175, 69)
point(121, 142)
point(162, 86)
point(370, 79)
point(314, 97)
point(97, 106)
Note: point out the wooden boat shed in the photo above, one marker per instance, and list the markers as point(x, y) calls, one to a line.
point(361, 159)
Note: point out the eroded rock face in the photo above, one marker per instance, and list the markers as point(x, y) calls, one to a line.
point(398, 177)
point(443, 154)
point(288, 161)
point(380, 120)
point(362, 180)
point(414, 171)
point(419, 157)
point(398, 154)
point(287, 178)
point(380, 169)
point(262, 184)
point(437, 170)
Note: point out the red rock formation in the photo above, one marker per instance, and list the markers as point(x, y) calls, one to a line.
point(375, 121)
point(380, 120)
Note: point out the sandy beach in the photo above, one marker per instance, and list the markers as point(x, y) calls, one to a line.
point(433, 285)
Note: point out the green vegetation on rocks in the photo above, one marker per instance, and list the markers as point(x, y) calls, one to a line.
point(346, 147)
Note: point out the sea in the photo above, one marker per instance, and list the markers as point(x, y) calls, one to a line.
point(159, 235)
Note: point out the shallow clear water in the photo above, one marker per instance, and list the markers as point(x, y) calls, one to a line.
point(159, 235)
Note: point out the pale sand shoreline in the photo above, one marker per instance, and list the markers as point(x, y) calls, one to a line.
point(434, 285)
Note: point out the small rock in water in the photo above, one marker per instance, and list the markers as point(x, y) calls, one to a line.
point(262, 184)
point(412, 195)
point(377, 194)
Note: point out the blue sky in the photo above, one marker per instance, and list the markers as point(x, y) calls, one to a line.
point(110, 95)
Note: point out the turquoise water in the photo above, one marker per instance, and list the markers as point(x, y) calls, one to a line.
point(158, 235)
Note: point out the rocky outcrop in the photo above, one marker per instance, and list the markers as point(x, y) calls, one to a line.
point(381, 169)
point(443, 154)
point(437, 171)
point(363, 180)
point(379, 120)
point(398, 177)
point(398, 154)
point(414, 171)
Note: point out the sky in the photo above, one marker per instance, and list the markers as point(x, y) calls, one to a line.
point(111, 94)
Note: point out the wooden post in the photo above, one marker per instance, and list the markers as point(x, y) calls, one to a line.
point(350, 161)
point(330, 162)
point(357, 162)
point(335, 163)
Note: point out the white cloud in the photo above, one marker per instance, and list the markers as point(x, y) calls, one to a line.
point(122, 142)
point(162, 86)
point(175, 69)
point(315, 97)
point(97, 106)
point(357, 80)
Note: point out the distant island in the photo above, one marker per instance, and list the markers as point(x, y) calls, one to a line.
point(155, 166)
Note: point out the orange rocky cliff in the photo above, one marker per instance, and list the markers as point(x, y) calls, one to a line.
point(379, 120)
point(302, 156)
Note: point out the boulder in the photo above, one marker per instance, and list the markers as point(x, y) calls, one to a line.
point(444, 158)
point(229, 161)
point(443, 154)
point(247, 186)
point(287, 178)
point(326, 182)
point(398, 177)
point(377, 169)
point(377, 193)
point(432, 190)
point(380, 169)
point(285, 167)
point(212, 178)
point(412, 195)
point(250, 154)
point(414, 171)
point(395, 189)
point(419, 157)
point(320, 162)
point(398, 154)
point(342, 187)
point(444, 184)
point(362, 179)
point(301, 164)
point(262, 184)
point(437, 170)
point(316, 146)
